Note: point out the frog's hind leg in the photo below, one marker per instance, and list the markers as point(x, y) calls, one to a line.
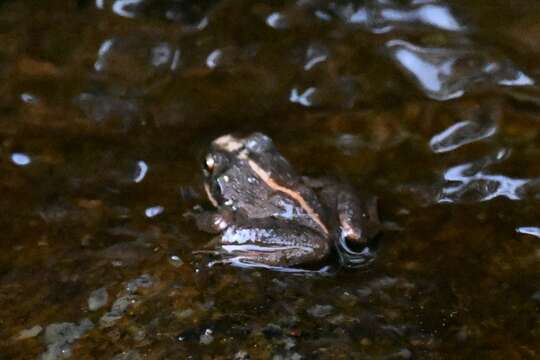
point(249, 262)
point(277, 244)
point(274, 258)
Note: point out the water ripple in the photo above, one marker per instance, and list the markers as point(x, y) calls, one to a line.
point(20, 159)
point(529, 230)
point(103, 107)
point(214, 58)
point(277, 20)
point(459, 134)
point(384, 16)
point(470, 182)
point(190, 14)
point(126, 8)
point(142, 169)
point(445, 73)
point(315, 54)
point(304, 98)
point(136, 57)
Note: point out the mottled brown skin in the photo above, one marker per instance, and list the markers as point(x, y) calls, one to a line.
point(268, 215)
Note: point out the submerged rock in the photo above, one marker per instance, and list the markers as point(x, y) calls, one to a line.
point(118, 309)
point(59, 337)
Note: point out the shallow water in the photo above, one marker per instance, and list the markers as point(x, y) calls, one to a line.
point(107, 106)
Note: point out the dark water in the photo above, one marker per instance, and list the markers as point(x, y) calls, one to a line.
point(106, 107)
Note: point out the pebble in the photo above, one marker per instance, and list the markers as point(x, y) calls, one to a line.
point(175, 261)
point(401, 354)
point(320, 311)
point(139, 335)
point(536, 296)
point(128, 355)
point(293, 356)
point(29, 333)
point(98, 298)
point(272, 330)
point(365, 342)
point(144, 281)
point(118, 309)
point(206, 337)
point(364, 292)
point(242, 355)
point(184, 314)
point(289, 343)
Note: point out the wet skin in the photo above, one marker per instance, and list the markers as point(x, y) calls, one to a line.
point(265, 214)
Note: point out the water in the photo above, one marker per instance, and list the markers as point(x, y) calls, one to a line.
point(107, 107)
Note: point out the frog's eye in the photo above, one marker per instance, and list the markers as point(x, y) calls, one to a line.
point(209, 163)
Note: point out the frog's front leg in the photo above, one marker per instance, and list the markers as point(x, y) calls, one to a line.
point(276, 244)
point(357, 216)
point(358, 219)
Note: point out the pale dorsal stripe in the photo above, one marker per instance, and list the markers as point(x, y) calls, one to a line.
point(293, 194)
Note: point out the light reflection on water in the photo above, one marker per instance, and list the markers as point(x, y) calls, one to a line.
point(153, 211)
point(126, 8)
point(469, 182)
point(459, 134)
point(20, 159)
point(446, 73)
point(302, 97)
point(384, 16)
point(529, 230)
point(315, 55)
point(142, 169)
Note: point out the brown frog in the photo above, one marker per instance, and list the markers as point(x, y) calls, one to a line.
point(267, 215)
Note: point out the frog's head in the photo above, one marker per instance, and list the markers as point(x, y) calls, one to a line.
point(225, 166)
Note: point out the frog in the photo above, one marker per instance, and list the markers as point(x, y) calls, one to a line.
point(265, 214)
